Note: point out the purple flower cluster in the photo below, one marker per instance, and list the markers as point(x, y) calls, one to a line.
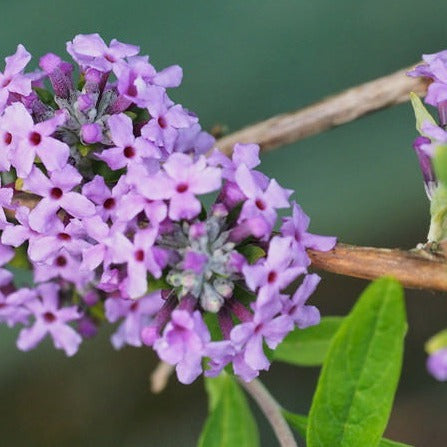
point(103, 179)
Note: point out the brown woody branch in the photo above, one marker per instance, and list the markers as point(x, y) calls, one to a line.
point(330, 112)
point(416, 269)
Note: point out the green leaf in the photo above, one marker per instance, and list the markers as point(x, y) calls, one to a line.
point(299, 423)
point(438, 212)
point(355, 391)
point(420, 112)
point(308, 347)
point(251, 252)
point(438, 341)
point(440, 163)
point(230, 422)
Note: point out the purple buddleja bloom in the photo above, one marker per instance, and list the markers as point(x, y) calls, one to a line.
point(260, 201)
point(128, 149)
point(430, 181)
point(141, 257)
point(437, 364)
point(59, 73)
point(435, 68)
point(70, 237)
point(56, 193)
point(193, 140)
point(6, 254)
point(106, 200)
point(179, 182)
point(62, 265)
point(437, 136)
point(8, 143)
point(135, 316)
point(107, 238)
point(50, 319)
point(296, 228)
point(12, 307)
point(89, 50)
point(167, 118)
point(12, 80)
point(16, 235)
point(137, 78)
point(302, 315)
point(265, 326)
point(183, 344)
point(36, 139)
point(275, 272)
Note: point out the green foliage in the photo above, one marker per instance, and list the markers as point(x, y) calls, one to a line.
point(251, 252)
point(440, 163)
point(230, 422)
point(355, 391)
point(420, 112)
point(308, 347)
point(438, 211)
point(438, 341)
point(299, 423)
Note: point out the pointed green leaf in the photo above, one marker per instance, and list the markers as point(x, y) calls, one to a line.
point(420, 112)
point(299, 423)
point(355, 391)
point(251, 252)
point(308, 347)
point(230, 422)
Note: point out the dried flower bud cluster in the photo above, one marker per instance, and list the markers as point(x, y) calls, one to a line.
point(118, 231)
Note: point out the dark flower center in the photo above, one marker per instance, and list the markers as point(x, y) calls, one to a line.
point(64, 236)
point(110, 58)
point(7, 138)
point(134, 306)
point(6, 82)
point(56, 193)
point(35, 138)
point(129, 152)
point(182, 187)
point(61, 261)
point(139, 255)
point(271, 277)
point(260, 204)
point(162, 122)
point(132, 91)
point(109, 203)
point(49, 317)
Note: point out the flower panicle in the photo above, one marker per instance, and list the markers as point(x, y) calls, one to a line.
point(118, 232)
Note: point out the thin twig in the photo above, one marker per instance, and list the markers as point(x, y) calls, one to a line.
point(330, 112)
point(272, 412)
point(415, 269)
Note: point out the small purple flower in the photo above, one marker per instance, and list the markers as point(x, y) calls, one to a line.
point(89, 50)
point(13, 309)
point(265, 326)
point(260, 201)
point(136, 314)
point(296, 228)
point(128, 149)
point(50, 319)
point(302, 315)
point(167, 118)
point(36, 139)
point(430, 181)
point(12, 79)
point(274, 272)
point(183, 344)
point(56, 193)
point(437, 364)
point(180, 181)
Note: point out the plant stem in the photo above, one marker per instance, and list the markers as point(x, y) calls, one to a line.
point(416, 269)
point(339, 109)
point(272, 412)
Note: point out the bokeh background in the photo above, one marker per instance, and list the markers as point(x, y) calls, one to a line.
point(245, 61)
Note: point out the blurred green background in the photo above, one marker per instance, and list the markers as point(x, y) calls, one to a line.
point(244, 61)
